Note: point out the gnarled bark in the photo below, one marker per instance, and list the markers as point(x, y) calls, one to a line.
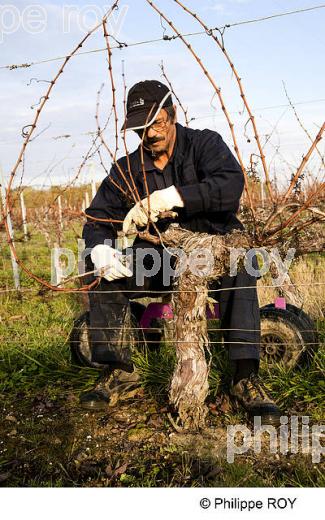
point(189, 385)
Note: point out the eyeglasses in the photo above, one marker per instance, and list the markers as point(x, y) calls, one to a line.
point(159, 125)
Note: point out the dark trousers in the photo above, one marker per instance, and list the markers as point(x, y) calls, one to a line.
point(109, 304)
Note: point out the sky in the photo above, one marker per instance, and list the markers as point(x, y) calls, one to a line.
point(267, 55)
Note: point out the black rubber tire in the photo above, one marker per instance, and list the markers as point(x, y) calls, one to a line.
point(79, 339)
point(309, 327)
point(285, 337)
point(310, 324)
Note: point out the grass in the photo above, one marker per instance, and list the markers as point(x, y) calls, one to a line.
point(47, 441)
point(308, 274)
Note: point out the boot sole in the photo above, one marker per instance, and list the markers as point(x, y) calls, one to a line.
point(268, 419)
point(94, 406)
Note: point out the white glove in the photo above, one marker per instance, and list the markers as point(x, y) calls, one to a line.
point(109, 262)
point(160, 200)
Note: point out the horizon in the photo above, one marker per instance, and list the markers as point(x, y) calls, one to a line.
point(263, 60)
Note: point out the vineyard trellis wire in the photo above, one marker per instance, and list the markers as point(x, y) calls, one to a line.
point(167, 38)
point(261, 233)
point(283, 221)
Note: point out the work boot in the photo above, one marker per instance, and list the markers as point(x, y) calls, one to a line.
point(122, 383)
point(108, 388)
point(252, 394)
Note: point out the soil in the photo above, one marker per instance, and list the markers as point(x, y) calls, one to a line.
point(50, 442)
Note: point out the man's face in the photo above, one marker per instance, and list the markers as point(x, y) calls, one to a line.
point(158, 136)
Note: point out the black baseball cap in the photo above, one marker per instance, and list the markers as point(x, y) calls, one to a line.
point(145, 100)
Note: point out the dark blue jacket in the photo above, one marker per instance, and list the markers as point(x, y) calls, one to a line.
point(205, 172)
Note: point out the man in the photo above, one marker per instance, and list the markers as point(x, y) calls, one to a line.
point(191, 172)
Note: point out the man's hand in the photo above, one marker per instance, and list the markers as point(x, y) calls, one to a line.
point(160, 201)
point(110, 262)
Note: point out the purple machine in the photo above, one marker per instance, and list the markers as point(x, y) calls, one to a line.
point(164, 311)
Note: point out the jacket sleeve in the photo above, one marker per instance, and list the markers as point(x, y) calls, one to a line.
point(107, 204)
point(221, 178)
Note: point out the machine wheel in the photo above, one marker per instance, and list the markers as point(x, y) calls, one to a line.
point(286, 337)
point(310, 324)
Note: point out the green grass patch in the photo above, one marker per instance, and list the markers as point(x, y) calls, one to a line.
point(44, 436)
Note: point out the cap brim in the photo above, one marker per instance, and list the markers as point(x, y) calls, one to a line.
point(137, 121)
point(143, 118)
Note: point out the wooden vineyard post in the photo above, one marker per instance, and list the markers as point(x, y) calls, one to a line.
point(24, 216)
point(60, 212)
point(7, 217)
point(57, 265)
point(87, 202)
